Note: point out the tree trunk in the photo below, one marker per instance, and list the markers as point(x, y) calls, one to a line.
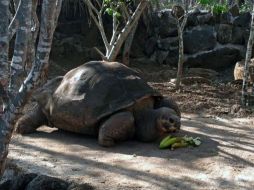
point(180, 29)
point(127, 46)
point(4, 48)
point(125, 32)
point(23, 20)
point(33, 33)
point(49, 15)
point(180, 58)
point(247, 61)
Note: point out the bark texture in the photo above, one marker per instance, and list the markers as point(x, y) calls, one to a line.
point(49, 16)
point(117, 39)
point(247, 63)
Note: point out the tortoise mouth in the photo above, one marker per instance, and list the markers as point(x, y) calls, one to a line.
point(169, 129)
point(169, 125)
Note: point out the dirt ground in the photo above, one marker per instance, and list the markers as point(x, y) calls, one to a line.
point(225, 159)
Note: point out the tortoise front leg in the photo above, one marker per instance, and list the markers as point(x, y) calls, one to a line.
point(118, 127)
point(29, 122)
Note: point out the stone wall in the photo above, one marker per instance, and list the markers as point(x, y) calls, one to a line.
point(210, 41)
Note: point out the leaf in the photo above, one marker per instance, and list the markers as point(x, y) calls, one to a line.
point(109, 11)
point(197, 141)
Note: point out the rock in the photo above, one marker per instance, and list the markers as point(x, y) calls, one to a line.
point(243, 20)
point(192, 80)
point(172, 58)
point(164, 23)
point(69, 28)
point(234, 10)
point(5, 185)
point(224, 33)
point(18, 182)
point(199, 39)
point(216, 59)
point(201, 72)
point(225, 18)
point(237, 36)
point(42, 182)
point(150, 46)
point(206, 18)
point(161, 56)
point(246, 35)
point(192, 20)
point(22, 181)
point(169, 43)
point(136, 51)
point(235, 108)
point(81, 187)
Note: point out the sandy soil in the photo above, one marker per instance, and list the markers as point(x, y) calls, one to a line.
point(225, 160)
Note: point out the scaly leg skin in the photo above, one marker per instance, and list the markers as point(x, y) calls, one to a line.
point(31, 121)
point(118, 127)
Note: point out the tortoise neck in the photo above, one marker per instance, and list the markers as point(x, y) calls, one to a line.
point(146, 129)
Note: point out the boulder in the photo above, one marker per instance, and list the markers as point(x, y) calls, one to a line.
point(246, 35)
point(169, 43)
point(226, 18)
point(234, 10)
point(42, 182)
point(199, 39)
point(192, 19)
point(164, 23)
point(216, 59)
point(161, 56)
point(243, 20)
point(224, 33)
point(206, 18)
point(237, 36)
point(150, 46)
point(172, 58)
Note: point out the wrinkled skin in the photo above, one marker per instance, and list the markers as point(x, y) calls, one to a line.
point(103, 99)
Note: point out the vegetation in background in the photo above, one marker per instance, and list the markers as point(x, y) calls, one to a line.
point(125, 16)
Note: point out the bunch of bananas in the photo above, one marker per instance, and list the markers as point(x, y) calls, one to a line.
point(178, 142)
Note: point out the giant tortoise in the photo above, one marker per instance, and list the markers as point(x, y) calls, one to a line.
point(104, 99)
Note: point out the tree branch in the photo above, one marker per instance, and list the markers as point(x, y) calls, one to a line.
point(99, 22)
point(50, 11)
point(126, 30)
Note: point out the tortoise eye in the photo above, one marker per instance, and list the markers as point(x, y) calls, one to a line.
point(171, 121)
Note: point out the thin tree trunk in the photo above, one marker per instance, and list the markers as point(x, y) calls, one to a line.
point(247, 61)
point(180, 58)
point(33, 33)
point(4, 48)
point(50, 12)
point(180, 28)
point(125, 32)
point(127, 45)
point(23, 20)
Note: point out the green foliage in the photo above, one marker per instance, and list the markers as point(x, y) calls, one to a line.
point(218, 9)
point(246, 7)
point(214, 5)
point(113, 7)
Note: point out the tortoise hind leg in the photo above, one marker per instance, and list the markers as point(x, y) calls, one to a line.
point(118, 127)
point(29, 122)
point(169, 103)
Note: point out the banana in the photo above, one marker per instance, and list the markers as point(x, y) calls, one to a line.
point(179, 145)
point(168, 141)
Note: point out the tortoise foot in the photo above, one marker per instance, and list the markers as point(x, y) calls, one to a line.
point(29, 122)
point(118, 127)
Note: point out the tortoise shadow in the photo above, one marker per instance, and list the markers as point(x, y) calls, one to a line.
point(208, 148)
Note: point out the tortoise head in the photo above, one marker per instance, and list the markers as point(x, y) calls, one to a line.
point(167, 120)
